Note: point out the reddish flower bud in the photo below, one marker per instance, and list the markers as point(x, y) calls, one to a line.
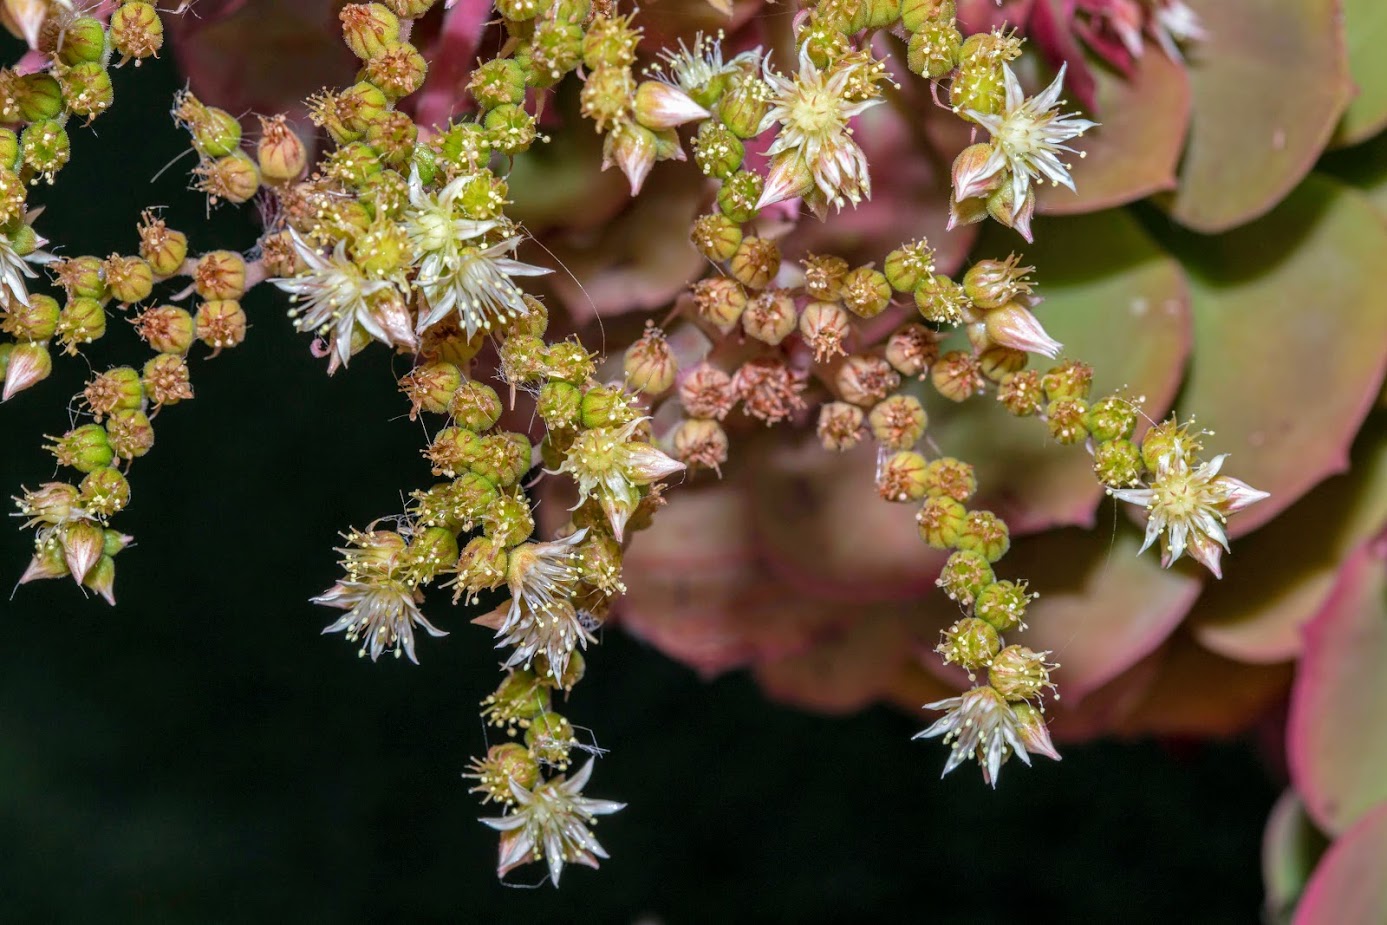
point(701, 444)
point(840, 425)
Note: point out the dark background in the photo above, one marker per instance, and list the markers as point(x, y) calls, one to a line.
point(200, 754)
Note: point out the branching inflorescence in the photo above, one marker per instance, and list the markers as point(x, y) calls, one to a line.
point(399, 234)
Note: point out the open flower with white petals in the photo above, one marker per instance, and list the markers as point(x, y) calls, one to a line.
point(979, 723)
point(696, 69)
point(1027, 138)
point(1187, 506)
point(610, 466)
point(332, 297)
point(381, 615)
point(813, 108)
point(14, 269)
point(472, 279)
point(550, 823)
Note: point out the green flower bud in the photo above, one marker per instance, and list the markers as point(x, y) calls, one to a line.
point(475, 405)
point(498, 82)
point(824, 275)
point(410, 9)
point(130, 433)
point(393, 137)
point(1071, 379)
point(9, 149)
point(901, 477)
point(607, 406)
point(130, 279)
point(35, 321)
point(940, 520)
point(964, 576)
point(720, 301)
point(951, 478)
point(550, 737)
point(998, 362)
point(738, 195)
point(1111, 418)
point(137, 31)
point(519, 698)
point(915, 14)
point(744, 105)
point(80, 322)
point(610, 42)
point(570, 361)
point(933, 49)
point(556, 48)
point(430, 387)
point(940, 299)
point(522, 10)
point(649, 364)
point(1021, 393)
point(1066, 420)
point(453, 450)
point(432, 550)
point(507, 520)
point(83, 40)
point(233, 178)
point(166, 379)
point(215, 132)
point(46, 147)
point(86, 448)
point(40, 97)
point(1003, 605)
point(167, 329)
point(717, 151)
point(399, 70)
point(866, 292)
point(970, 643)
point(716, 236)
point(280, 153)
point(908, 265)
point(840, 426)
point(162, 248)
point(985, 534)
point(510, 129)
point(503, 458)
point(220, 275)
point(105, 492)
point(481, 565)
point(115, 389)
point(573, 12)
point(560, 405)
point(898, 422)
point(956, 376)
point(756, 262)
point(220, 324)
point(911, 349)
point(368, 28)
point(1117, 463)
point(879, 14)
point(360, 105)
point(1017, 673)
point(824, 45)
point(978, 86)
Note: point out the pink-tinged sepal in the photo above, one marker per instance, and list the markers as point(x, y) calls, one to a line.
point(660, 106)
point(1238, 494)
point(29, 364)
point(632, 148)
point(1018, 328)
point(788, 178)
point(82, 546)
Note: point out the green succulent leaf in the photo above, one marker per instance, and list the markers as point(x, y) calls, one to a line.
point(1290, 318)
point(1334, 740)
point(1365, 26)
point(1106, 286)
point(1270, 83)
point(1291, 846)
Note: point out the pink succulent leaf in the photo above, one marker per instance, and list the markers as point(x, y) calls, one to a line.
point(1291, 848)
point(1334, 740)
point(1049, 26)
point(1348, 885)
point(452, 56)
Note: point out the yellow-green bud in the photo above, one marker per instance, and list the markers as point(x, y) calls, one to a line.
point(550, 737)
point(399, 70)
point(901, 477)
point(570, 361)
point(507, 520)
point(430, 387)
point(521, 10)
point(46, 147)
point(866, 292)
point(84, 39)
point(916, 13)
point(879, 14)
point(86, 448)
point(1017, 673)
point(39, 97)
point(933, 49)
point(1117, 463)
point(1003, 605)
point(104, 492)
point(281, 154)
point(940, 299)
point(496, 83)
point(167, 329)
point(368, 28)
point(475, 405)
point(1071, 379)
point(649, 363)
point(80, 322)
point(130, 279)
point(738, 195)
point(556, 47)
point(911, 349)
point(215, 132)
point(1021, 393)
point(519, 698)
point(716, 236)
point(503, 458)
point(162, 248)
point(510, 129)
point(1111, 418)
point(997, 362)
point(115, 389)
point(985, 534)
point(770, 316)
point(940, 520)
point(410, 9)
point(756, 262)
point(951, 478)
point(970, 643)
point(35, 321)
point(898, 422)
point(720, 301)
point(137, 31)
point(1066, 420)
point(717, 151)
point(964, 576)
point(607, 95)
point(233, 178)
point(560, 404)
point(453, 450)
point(9, 149)
point(956, 376)
point(393, 136)
point(908, 265)
point(220, 324)
point(744, 105)
point(166, 379)
point(610, 42)
point(607, 406)
point(130, 433)
point(840, 425)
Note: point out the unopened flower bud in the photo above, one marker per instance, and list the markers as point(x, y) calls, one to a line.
point(701, 444)
point(82, 39)
point(35, 321)
point(46, 147)
point(52, 504)
point(933, 49)
point(233, 178)
point(430, 387)
point(964, 576)
point(770, 316)
point(970, 643)
point(220, 324)
point(519, 699)
point(1066, 420)
point(508, 521)
point(216, 132)
point(550, 738)
point(80, 322)
point(13, 192)
point(1003, 605)
point(865, 379)
point(824, 275)
point(740, 195)
point(130, 279)
point(840, 425)
point(940, 520)
point(630, 147)
point(167, 380)
point(504, 764)
point(717, 151)
point(716, 236)
point(1021, 393)
point(951, 478)
point(607, 406)
point(706, 392)
point(87, 89)
point(941, 300)
point(1111, 418)
point(986, 534)
point(911, 349)
point(560, 405)
point(908, 265)
point(496, 83)
point(104, 492)
point(570, 361)
point(161, 247)
point(130, 433)
point(1018, 673)
point(901, 477)
point(957, 376)
point(769, 389)
point(504, 458)
point(607, 96)
point(1117, 463)
point(824, 327)
point(744, 105)
point(167, 329)
point(281, 154)
point(756, 262)
point(1071, 379)
point(720, 301)
point(475, 405)
point(898, 422)
point(86, 448)
point(82, 547)
point(25, 365)
point(979, 84)
point(398, 70)
point(916, 14)
point(114, 389)
point(649, 363)
point(865, 292)
point(481, 566)
point(136, 30)
point(975, 174)
point(994, 283)
point(660, 105)
point(368, 28)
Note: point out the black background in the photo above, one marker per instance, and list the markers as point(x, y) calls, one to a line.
point(201, 754)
